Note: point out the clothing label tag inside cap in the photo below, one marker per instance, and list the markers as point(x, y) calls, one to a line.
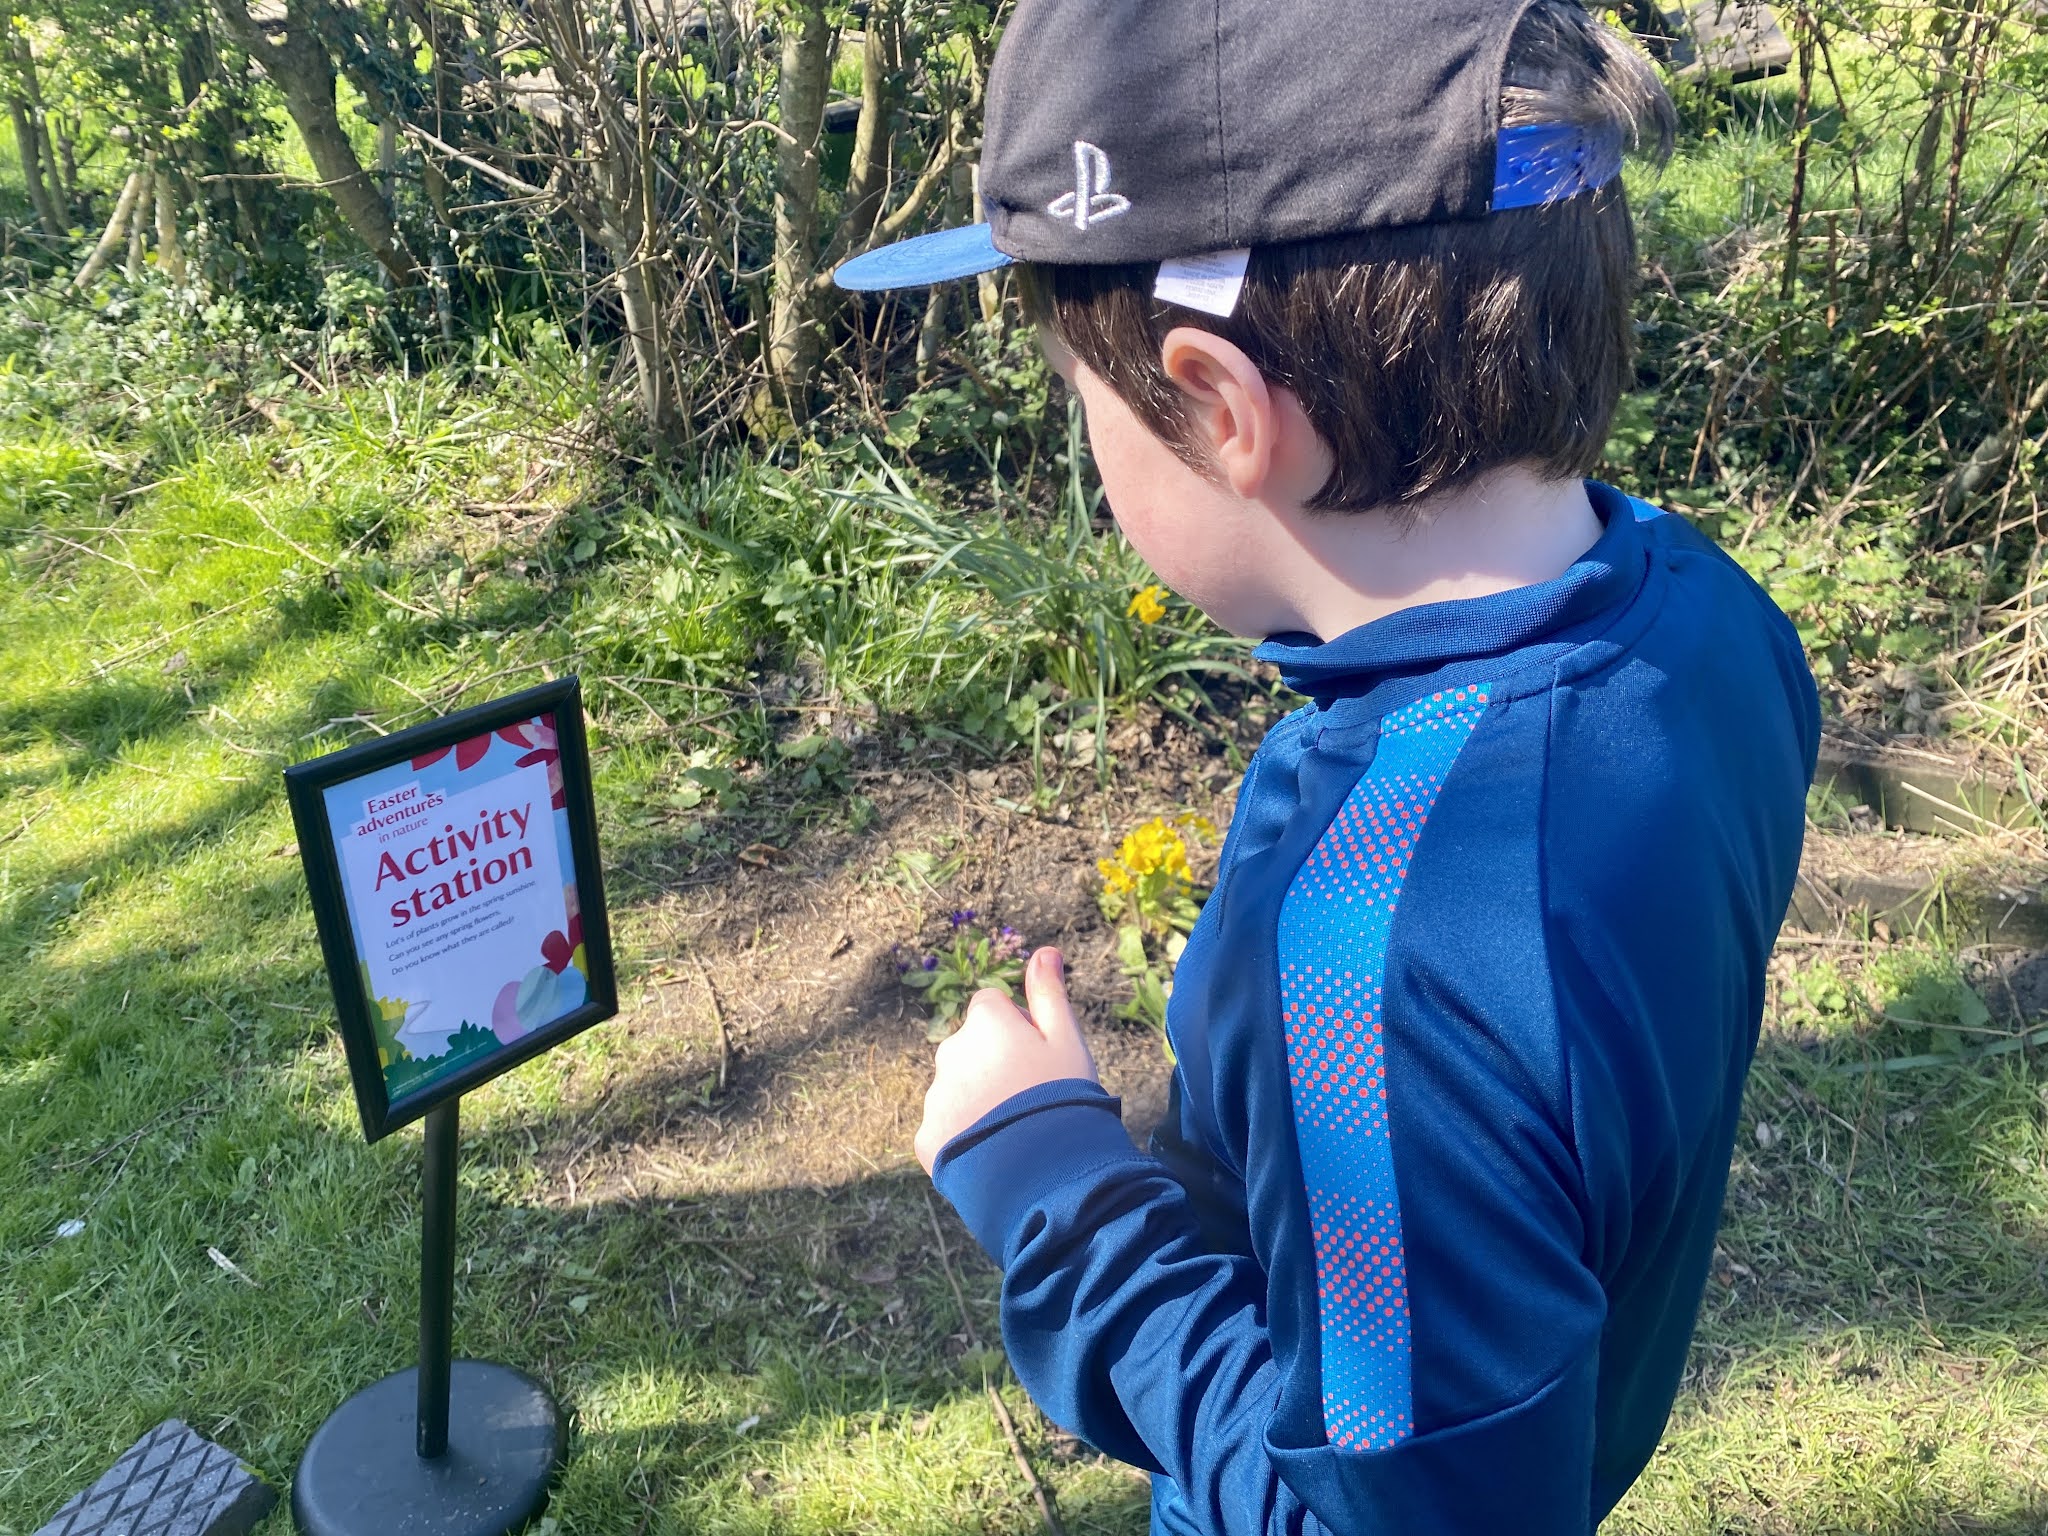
point(1212, 283)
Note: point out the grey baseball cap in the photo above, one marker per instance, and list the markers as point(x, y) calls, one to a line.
point(1126, 131)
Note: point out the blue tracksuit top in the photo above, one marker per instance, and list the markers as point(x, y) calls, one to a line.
point(1461, 1040)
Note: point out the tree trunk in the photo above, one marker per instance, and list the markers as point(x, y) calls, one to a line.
point(298, 64)
point(640, 297)
point(170, 255)
point(28, 139)
point(615, 204)
point(1970, 89)
point(869, 178)
point(806, 70)
point(1925, 154)
point(138, 221)
point(1977, 472)
point(31, 132)
point(931, 331)
point(65, 132)
point(641, 289)
point(214, 154)
point(53, 172)
point(387, 154)
point(1795, 210)
point(445, 41)
point(110, 238)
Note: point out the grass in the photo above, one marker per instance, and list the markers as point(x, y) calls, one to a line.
point(208, 571)
point(775, 1359)
point(190, 603)
point(1870, 1351)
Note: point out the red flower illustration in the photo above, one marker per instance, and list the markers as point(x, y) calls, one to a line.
point(557, 949)
point(539, 734)
point(467, 753)
point(535, 737)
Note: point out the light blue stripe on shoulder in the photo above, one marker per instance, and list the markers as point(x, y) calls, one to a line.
point(1643, 510)
point(1334, 928)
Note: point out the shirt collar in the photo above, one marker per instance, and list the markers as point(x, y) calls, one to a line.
point(1419, 640)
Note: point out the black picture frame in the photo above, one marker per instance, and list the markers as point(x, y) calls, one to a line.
point(306, 785)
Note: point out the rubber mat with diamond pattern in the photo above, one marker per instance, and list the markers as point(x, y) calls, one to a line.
point(169, 1483)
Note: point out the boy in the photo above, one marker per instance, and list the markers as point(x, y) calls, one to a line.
point(1463, 1029)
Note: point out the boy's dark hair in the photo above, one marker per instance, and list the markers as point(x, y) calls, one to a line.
point(1427, 356)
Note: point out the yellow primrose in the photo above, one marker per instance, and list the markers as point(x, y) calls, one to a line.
point(1152, 848)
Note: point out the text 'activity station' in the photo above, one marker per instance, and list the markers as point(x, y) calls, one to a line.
point(455, 881)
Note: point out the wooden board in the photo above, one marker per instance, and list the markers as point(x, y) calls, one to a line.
point(1733, 40)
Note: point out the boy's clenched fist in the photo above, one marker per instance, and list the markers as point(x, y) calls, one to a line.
point(999, 1051)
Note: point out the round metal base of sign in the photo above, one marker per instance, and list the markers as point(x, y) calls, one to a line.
point(362, 1476)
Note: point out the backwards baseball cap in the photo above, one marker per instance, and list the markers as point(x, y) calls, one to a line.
point(1187, 132)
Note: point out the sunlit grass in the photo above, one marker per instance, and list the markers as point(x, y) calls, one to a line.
point(1871, 1356)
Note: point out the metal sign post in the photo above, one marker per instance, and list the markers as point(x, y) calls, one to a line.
point(456, 885)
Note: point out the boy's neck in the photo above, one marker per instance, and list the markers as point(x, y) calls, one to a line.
point(1511, 529)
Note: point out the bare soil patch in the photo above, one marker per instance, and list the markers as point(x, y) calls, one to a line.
point(770, 1044)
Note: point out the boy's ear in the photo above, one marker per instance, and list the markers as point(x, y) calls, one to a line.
point(1256, 435)
point(1230, 405)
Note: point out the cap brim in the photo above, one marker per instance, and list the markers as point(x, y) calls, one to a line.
point(939, 258)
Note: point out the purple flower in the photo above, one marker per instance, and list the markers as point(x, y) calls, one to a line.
point(896, 955)
point(931, 962)
point(961, 919)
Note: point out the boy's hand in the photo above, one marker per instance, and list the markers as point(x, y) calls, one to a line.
point(999, 1051)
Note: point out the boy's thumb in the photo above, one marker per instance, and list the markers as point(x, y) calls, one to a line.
point(1045, 989)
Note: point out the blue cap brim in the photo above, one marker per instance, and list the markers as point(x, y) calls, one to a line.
point(939, 258)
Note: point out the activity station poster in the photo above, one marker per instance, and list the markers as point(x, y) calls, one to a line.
point(459, 881)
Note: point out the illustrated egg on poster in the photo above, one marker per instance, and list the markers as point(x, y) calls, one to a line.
point(505, 1014)
point(538, 994)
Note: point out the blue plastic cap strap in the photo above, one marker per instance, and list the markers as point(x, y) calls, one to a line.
point(1549, 162)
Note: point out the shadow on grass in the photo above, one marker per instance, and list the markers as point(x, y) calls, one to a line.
point(70, 888)
point(97, 721)
point(178, 1091)
point(122, 713)
point(791, 1358)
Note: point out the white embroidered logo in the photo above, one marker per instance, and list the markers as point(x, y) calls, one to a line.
point(1091, 202)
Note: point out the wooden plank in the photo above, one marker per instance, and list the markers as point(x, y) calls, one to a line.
point(1922, 792)
point(1732, 40)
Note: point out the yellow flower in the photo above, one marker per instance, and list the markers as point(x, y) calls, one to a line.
point(1153, 848)
point(1149, 606)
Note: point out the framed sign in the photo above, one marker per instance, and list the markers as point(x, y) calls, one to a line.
point(455, 881)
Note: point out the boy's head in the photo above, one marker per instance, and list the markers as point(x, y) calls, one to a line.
point(1424, 355)
point(1440, 258)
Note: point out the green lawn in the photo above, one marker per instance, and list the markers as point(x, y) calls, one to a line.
point(167, 1072)
point(183, 612)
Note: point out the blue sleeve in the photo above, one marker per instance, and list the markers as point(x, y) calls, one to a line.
point(1123, 1325)
point(1131, 1331)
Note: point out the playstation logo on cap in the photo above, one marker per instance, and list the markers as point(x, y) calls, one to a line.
point(1091, 202)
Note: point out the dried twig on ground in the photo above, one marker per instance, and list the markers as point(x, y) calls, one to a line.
point(1046, 1512)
